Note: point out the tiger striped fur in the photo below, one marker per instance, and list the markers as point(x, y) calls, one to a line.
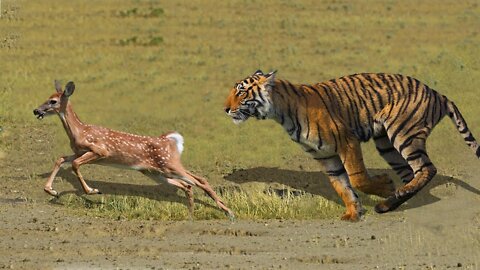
point(330, 119)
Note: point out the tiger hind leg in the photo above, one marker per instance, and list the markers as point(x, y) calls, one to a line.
point(352, 158)
point(408, 128)
point(393, 158)
point(424, 171)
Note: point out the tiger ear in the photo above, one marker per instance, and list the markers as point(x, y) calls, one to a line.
point(270, 80)
point(258, 72)
point(271, 75)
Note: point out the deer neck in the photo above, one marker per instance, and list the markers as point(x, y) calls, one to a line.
point(72, 124)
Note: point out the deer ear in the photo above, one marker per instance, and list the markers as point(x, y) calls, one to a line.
point(58, 86)
point(69, 88)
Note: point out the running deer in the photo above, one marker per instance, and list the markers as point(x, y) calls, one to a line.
point(155, 157)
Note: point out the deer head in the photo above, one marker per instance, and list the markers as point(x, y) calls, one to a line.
point(57, 102)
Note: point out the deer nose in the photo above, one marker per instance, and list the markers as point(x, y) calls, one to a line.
point(36, 111)
point(227, 110)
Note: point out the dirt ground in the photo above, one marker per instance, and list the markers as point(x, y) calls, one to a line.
point(425, 234)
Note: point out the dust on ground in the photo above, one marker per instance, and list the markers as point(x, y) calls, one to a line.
point(36, 234)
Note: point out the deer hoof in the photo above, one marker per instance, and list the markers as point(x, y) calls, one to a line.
point(51, 191)
point(232, 217)
point(94, 191)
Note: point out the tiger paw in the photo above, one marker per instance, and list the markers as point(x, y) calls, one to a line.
point(405, 192)
point(350, 217)
point(353, 213)
point(390, 204)
point(382, 207)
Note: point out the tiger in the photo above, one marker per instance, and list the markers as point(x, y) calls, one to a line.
point(330, 120)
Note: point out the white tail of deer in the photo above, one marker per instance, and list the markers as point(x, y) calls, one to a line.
point(155, 157)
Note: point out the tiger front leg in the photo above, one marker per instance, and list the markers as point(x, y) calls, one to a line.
point(354, 207)
point(338, 177)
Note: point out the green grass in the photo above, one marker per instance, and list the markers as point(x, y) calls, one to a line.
point(148, 67)
point(150, 12)
point(254, 205)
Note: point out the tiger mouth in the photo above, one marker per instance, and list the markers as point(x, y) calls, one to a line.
point(239, 119)
point(242, 116)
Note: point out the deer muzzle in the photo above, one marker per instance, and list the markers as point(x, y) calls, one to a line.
point(39, 114)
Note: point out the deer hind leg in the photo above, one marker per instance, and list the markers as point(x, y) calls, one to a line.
point(424, 171)
point(177, 171)
point(205, 186)
point(48, 185)
point(174, 182)
point(188, 193)
point(185, 176)
point(84, 159)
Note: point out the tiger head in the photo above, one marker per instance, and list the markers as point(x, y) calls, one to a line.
point(250, 97)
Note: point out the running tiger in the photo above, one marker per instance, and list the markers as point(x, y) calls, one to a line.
point(330, 119)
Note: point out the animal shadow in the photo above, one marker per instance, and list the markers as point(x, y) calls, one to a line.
point(317, 183)
point(161, 192)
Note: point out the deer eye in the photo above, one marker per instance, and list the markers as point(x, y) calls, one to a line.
point(52, 102)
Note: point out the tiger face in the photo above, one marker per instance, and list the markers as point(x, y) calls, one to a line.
point(250, 97)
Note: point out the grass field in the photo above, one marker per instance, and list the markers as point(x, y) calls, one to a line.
point(147, 67)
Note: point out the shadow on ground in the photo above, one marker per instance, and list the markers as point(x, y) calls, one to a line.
point(160, 192)
point(317, 183)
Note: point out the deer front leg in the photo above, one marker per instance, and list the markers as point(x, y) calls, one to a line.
point(84, 159)
point(48, 185)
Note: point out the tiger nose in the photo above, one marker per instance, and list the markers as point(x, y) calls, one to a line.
point(227, 109)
